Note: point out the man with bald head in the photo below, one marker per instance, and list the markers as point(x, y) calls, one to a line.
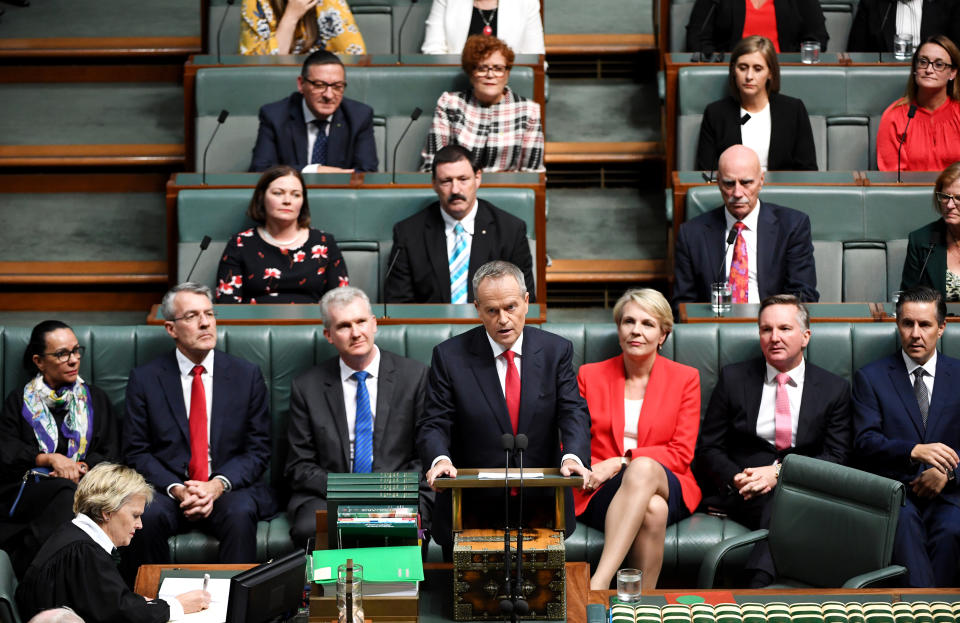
point(770, 250)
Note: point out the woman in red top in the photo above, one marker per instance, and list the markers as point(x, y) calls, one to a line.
point(717, 25)
point(932, 139)
point(645, 415)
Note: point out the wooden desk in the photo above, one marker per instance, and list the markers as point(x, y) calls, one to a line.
point(819, 312)
point(148, 576)
point(765, 594)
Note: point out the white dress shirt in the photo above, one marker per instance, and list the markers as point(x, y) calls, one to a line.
point(766, 417)
point(755, 133)
point(468, 222)
point(750, 237)
point(930, 367)
point(312, 132)
point(186, 383)
point(909, 14)
point(349, 384)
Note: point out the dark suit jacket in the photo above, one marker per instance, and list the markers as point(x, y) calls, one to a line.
point(156, 431)
point(791, 137)
point(466, 412)
point(317, 430)
point(797, 20)
point(918, 246)
point(421, 269)
point(784, 248)
point(728, 435)
point(887, 421)
point(875, 23)
point(282, 137)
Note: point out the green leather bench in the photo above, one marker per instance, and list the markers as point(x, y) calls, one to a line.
point(361, 220)
point(861, 229)
point(393, 91)
point(284, 351)
point(844, 103)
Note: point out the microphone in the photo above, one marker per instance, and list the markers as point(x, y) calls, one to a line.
point(413, 117)
point(883, 39)
point(520, 605)
point(934, 241)
point(204, 243)
point(745, 118)
point(508, 441)
point(731, 237)
point(700, 56)
point(220, 28)
point(903, 137)
point(220, 119)
point(400, 33)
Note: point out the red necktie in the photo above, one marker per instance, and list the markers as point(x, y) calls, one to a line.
point(198, 427)
point(784, 421)
point(739, 268)
point(512, 390)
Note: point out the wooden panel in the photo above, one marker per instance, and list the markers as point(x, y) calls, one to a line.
point(28, 74)
point(91, 155)
point(68, 300)
point(561, 153)
point(99, 46)
point(584, 271)
point(598, 43)
point(83, 272)
point(82, 182)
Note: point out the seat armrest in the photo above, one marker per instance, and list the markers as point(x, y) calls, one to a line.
point(865, 579)
point(711, 561)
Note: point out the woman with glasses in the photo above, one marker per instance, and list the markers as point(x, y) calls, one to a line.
point(931, 106)
point(298, 27)
point(500, 129)
point(282, 259)
point(934, 249)
point(52, 431)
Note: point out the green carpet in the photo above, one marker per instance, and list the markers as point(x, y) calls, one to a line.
point(102, 18)
point(83, 227)
point(610, 110)
point(91, 114)
point(598, 17)
point(607, 224)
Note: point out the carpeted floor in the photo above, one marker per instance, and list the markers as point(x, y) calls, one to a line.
point(613, 110)
point(599, 16)
point(102, 18)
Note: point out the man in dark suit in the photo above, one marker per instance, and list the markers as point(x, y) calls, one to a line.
point(875, 24)
point(317, 129)
point(907, 427)
point(329, 419)
point(772, 247)
point(198, 428)
point(426, 244)
point(764, 409)
point(478, 391)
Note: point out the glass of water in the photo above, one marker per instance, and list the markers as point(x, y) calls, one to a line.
point(720, 297)
point(903, 47)
point(810, 52)
point(628, 585)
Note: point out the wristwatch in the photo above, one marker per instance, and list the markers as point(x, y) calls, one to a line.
point(623, 463)
point(777, 466)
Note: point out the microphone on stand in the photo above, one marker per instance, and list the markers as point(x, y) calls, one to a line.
point(934, 241)
point(413, 117)
point(731, 237)
point(220, 119)
point(220, 27)
point(883, 23)
point(700, 56)
point(506, 605)
point(204, 243)
point(400, 33)
point(520, 605)
point(903, 137)
point(745, 118)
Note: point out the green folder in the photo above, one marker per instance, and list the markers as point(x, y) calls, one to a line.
point(380, 564)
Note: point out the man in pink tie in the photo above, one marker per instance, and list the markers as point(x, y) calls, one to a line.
point(198, 428)
point(763, 409)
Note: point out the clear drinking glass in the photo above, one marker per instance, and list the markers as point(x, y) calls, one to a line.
point(903, 47)
point(720, 297)
point(352, 589)
point(810, 52)
point(628, 585)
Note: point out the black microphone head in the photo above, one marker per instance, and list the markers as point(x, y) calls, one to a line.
point(229, 2)
point(506, 606)
point(732, 236)
point(223, 116)
point(934, 239)
point(912, 111)
point(507, 440)
point(521, 442)
point(416, 113)
point(522, 607)
point(744, 118)
point(204, 243)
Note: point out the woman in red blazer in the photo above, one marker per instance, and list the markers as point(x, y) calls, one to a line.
point(645, 415)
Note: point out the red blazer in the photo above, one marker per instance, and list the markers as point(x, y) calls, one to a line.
point(668, 425)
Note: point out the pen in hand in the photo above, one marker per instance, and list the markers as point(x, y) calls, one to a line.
point(206, 580)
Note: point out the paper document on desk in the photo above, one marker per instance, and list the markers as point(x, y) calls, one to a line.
point(219, 589)
point(499, 475)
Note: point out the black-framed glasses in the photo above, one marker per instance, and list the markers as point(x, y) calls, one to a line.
point(63, 355)
point(944, 199)
point(320, 85)
point(923, 62)
point(194, 316)
point(495, 70)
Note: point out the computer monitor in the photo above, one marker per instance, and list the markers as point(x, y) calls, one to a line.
point(269, 590)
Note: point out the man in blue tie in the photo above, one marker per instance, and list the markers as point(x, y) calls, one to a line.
point(355, 412)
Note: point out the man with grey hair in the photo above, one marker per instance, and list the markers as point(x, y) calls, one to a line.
point(198, 428)
point(764, 409)
point(499, 379)
point(56, 615)
point(355, 412)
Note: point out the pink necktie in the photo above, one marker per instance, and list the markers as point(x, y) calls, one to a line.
point(784, 422)
point(739, 268)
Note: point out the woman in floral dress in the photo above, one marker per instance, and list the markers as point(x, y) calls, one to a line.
point(299, 27)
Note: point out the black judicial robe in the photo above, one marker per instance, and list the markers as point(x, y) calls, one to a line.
point(71, 569)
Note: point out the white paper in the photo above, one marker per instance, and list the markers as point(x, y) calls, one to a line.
point(219, 589)
point(513, 475)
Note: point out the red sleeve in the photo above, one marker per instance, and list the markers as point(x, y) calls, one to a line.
point(888, 141)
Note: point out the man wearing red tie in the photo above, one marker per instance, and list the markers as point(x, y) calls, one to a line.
point(496, 379)
point(198, 428)
point(762, 410)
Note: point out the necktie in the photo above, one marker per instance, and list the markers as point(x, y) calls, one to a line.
point(784, 421)
point(920, 391)
point(363, 428)
point(512, 390)
point(198, 427)
point(319, 155)
point(459, 260)
point(739, 268)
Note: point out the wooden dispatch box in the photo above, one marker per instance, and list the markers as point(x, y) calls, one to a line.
point(323, 606)
point(478, 575)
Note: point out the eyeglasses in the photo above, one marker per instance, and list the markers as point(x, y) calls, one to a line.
point(495, 70)
point(193, 317)
point(321, 86)
point(63, 355)
point(923, 62)
point(944, 199)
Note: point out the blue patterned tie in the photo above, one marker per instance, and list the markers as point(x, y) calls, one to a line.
point(320, 145)
point(363, 428)
point(459, 261)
